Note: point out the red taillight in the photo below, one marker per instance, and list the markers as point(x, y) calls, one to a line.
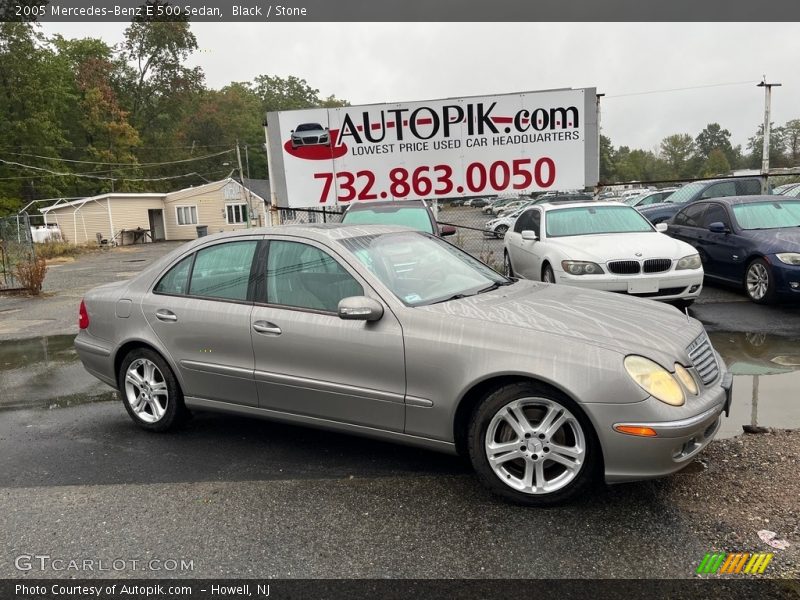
point(83, 316)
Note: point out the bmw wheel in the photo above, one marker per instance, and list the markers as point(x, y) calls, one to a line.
point(758, 282)
point(500, 231)
point(150, 391)
point(533, 445)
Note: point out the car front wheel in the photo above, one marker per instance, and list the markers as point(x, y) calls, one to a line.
point(501, 230)
point(533, 445)
point(150, 391)
point(547, 274)
point(758, 282)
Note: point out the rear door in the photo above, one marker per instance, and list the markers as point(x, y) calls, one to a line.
point(200, 310)
point(310, 362)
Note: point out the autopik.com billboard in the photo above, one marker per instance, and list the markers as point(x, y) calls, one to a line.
point(505, 144)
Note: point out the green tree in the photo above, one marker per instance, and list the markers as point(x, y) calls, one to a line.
point(716, 164)
point(713, 137)
point(290, 93)
point(607, 172)
point(677, 151)
point(792, 141)
point(777, 147)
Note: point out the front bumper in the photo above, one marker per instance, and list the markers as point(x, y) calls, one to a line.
point(787, 278)
point(633, 458)
point(669, 285)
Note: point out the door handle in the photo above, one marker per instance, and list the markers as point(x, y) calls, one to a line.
point(162, 314)
point(266, 327)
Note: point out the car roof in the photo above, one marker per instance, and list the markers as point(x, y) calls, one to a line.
point(321, 232)
point(733, 200)
point(547, 206)
point(380, 203)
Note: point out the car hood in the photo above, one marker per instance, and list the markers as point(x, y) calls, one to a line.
point(613, 321)
point(631, 246)
point(771, 241)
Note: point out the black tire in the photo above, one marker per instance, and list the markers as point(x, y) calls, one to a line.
point(589, 473)
point(175, 412)
point(501, 230)
point(759, 267)
point(507, 267)
point(547, 274)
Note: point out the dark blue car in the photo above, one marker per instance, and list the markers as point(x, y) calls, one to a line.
point(749, 241)
point(699, 190)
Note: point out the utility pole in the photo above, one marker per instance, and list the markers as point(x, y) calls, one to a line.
point(241, 179)
point(765, 156)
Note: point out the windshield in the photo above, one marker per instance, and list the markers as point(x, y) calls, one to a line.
point(421, 269)
point(768, 215)
point(309, 127)
point(631, 200)
point(415, 217)
point(590, 220)
point(685, 193)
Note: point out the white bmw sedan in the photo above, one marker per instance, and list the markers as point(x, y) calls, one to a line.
point(603, 246)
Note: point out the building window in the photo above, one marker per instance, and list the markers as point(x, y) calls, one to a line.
point(236, 213)
point(187, 215)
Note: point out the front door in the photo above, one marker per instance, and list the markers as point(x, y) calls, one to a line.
point(156, 218)
point(310, 362)
point(524, 255)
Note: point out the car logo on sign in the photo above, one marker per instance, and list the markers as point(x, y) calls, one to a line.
point(639, 254)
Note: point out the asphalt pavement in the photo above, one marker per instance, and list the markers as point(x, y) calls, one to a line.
point(248, 498)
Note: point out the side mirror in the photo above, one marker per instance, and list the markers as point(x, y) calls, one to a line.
point(445, 230)
point(529, 236)
point(360, 308)
point(718, 227)
point(292, 131)
point(662, 227)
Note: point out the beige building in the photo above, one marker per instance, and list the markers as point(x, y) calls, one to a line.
point(130, 217)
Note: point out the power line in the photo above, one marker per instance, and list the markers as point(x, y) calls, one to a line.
point(91, 162)
point(99, 177)
point(681, 89)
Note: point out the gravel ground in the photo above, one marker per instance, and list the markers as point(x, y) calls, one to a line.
point(740, 486)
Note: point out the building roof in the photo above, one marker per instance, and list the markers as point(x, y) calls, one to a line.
point(139, 195)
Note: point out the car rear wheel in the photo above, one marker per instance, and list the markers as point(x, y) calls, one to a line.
point(508, 270)
point(547, 274)
point(758, 282)
point(533, 445)
point(150, 391)
point(501, 230)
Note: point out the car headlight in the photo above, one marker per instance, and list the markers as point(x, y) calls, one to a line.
point(689, 262)
point(686, 379)
point(581, 267)
point(789, 258)
point(655, 380)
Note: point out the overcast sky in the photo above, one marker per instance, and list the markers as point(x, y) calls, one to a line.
point(377, 62)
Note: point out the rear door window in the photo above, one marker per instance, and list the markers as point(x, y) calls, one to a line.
point(748, 187)
point(223, 271)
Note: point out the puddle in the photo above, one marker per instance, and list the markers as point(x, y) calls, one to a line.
point(45, 372)
point(766, 380)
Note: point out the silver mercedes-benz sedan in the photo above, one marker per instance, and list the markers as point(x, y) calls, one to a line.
point(395, 334)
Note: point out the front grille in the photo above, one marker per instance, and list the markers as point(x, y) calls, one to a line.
point(703, 359)
point(657, 265)
point(624, 267)
point(310, 140)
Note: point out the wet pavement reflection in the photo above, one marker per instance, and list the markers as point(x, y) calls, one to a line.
point(766, 381)
point(45, 372)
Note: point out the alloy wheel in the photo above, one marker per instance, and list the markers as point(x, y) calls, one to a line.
point(146, 390)
point(757, 281)
point(535, 445)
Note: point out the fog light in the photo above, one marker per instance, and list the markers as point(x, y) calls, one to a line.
point(794, 285)
point(636, 430)
point(693, 289)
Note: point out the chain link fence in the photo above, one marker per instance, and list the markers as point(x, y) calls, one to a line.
point(470, 223)
point(16, 246)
